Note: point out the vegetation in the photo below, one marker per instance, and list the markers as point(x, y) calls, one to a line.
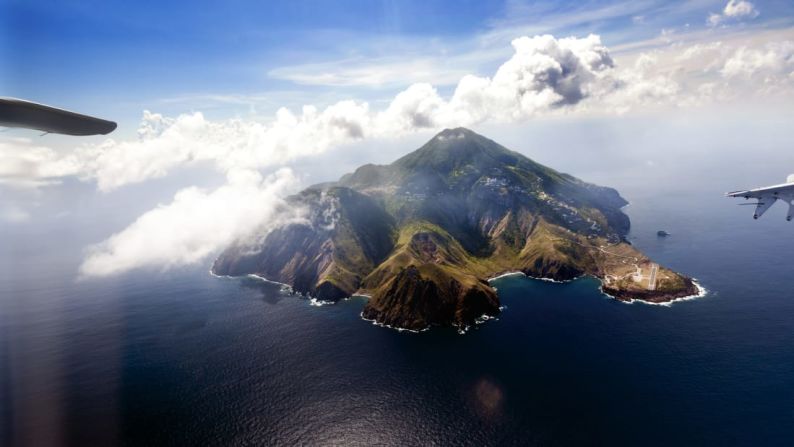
point(423, 234)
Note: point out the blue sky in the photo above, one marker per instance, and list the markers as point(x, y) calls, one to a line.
point(142, 51)
point(122, 57)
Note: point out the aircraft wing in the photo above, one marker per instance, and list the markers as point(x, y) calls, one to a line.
point(763, 204)
point(767, 196)
point(776, 190)
point(31, 115)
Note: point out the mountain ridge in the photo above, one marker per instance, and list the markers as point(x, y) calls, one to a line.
point(423, 234)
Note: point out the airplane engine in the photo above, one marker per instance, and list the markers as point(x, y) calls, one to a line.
point(764, 203)
point(790, 178)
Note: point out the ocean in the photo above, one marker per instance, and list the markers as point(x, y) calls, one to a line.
point(179, 357)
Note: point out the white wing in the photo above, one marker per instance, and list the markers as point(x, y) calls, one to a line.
point(764, 202)
point(767, 196)
point(757, 193)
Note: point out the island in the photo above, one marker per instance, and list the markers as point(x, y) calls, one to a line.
point(422, 236)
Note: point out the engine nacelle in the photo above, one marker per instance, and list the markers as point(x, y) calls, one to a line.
point(790, 179)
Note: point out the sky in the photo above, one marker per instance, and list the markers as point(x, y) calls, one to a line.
point(226, 108)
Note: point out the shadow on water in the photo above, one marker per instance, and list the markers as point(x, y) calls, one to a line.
point(268, 292)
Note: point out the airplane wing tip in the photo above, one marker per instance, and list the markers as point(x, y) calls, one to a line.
point(110, 127)
point(30, 115)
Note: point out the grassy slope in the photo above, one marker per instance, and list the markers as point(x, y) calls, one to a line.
point(418, 212)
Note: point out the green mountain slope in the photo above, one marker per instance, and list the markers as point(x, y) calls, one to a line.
point(423, 234)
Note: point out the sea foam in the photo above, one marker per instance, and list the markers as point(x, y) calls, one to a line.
point(701, 292)
point(398, 329)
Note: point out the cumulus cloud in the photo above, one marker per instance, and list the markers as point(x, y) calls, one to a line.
point(706, 72)
point(544, 73)
point(776, 60)
point(642, 84)
point(734, 10)
point(24, 164)
point(698, 50)
point(740, 8)
point(196, 224)
point(167, 143)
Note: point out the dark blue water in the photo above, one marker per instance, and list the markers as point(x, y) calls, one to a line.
point(183, 358)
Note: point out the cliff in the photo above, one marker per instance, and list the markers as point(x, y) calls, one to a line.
point(423, 234)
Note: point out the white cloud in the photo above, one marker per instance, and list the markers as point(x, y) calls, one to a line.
point(684, 74)
point(740, 8)
point(698, 50)
point(545, 75)
point(642, 84)
point(370, 72)
point(775, 62)
point(416, 107)
point(196, 224)
point(734, 10)
point(24, 164)
point(167, 143)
